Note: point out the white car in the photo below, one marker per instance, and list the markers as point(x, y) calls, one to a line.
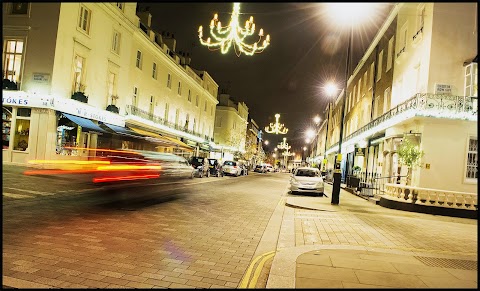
point(307, 179)
point(232, 168)
point(269, 168)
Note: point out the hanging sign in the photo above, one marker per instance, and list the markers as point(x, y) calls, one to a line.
point(24, 99)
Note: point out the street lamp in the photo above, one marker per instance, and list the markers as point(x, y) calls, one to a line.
point(316, 119)
point(344, 13)
point(266, 142)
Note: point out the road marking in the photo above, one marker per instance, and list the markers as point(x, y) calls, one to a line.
point(18, 196)
point(258, 270)
point(245, 280)
point(31, 191)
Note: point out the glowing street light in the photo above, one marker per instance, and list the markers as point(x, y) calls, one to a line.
point(275, 149)
point(316, 119)
point(274, 155)
point(266, 142)
point(304, 148)
point(331, 89)
point(310, 133)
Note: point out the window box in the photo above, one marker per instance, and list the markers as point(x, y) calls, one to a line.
point(9, 85)
point(112, 108)
point(80, 96)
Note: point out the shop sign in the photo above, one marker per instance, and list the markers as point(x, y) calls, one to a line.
point(20, 98)
point(87, 111)
point(443, 89)
point(42, 78)
point(359, 152)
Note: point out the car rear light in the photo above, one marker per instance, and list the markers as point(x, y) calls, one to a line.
point(234, 167)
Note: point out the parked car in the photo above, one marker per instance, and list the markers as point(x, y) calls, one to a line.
point(306, 179)
point(260, 169)
point(233, 168)
point(215, 167)
point(200, 164)
point(269, 168)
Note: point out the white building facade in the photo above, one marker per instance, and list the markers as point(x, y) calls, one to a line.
point(53, 51)
point(428, 94)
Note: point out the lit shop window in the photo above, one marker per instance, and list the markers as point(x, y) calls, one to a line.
point(13, 55)
point(6, 126)
point(22, 129)
point(69, 134)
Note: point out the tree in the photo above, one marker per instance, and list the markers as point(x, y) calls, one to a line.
point(409, 155)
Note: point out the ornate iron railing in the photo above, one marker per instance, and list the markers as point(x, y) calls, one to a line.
point(133, 110)
point(425, 104)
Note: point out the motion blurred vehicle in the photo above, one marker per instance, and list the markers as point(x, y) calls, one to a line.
point(306, 179)
point(215, 168)
point(117, 168)
point(260, 169)
point(201, 165)
point(232, 168)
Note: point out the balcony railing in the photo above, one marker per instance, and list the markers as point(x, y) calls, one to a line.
point(425, 104)
point(133, 110)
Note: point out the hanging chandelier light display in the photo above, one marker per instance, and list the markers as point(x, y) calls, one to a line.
point(276, 128)
point(225, 36)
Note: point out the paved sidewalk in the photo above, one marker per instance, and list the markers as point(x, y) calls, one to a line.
point(347, 246)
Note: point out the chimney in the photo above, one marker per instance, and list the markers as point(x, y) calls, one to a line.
point(145, 17)
point(170, 41)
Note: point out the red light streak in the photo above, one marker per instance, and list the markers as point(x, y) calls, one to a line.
point(124, 178)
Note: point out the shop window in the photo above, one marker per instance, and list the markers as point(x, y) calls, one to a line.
point(13, 57)
point(22, 129)
point(70, 136)
point(6, 126)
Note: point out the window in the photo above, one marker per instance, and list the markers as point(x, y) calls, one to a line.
point(139, 60)
point(154, 71)
point(211, 110)
point(372, 72)
point(165, 115)
point(472, 160)
point(386, 100)
point(135, 97)
point(350, 101)
point(84, 19)
point(120, 5)
point(189, 96)
point(421, 17)
point(194, 124)
point(376, 112)
point(19, 8)
point(359, 89)
point(78, 74)
point(380, 64)
point(112, 80)
point(205, 107)
point(169, 81)
point(390, 54)
point(234, 124)
point(354, 95)
point(403, 40)
point(13, 57)
point(365, 80)
point(219, 121)
point(22, 129)
point(179, 91)
point(471, 81)
point(152, 105)
point(6, 126)
point(177, 116)
point(187, 120)
point(116, 42)
point(196, 100)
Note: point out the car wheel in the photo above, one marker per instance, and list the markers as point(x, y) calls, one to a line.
point(208, 174)
point(200, 174)
point(191, 176)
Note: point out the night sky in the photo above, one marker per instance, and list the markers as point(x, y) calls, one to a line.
point(307, 49)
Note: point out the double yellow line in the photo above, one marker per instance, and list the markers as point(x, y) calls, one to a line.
point(251, 283)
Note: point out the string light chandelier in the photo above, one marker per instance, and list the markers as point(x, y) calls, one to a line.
point(284, 145)
point(277, 128)
point(224, 36)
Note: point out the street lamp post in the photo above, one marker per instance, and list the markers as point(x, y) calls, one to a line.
point(337, 174)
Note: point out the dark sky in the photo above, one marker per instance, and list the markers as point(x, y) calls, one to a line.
point(306, 50)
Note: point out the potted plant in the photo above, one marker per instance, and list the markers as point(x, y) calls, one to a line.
point(9, 85)
point(409, 155)
point(112, 108)
point(80, 96)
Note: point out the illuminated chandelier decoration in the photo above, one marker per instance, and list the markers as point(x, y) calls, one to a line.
point(233, 33)
point(276, 128)
point(284, 145)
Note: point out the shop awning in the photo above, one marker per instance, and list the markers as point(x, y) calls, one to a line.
point(179, 143)
point(155, 137)
point(84, 123)
point(123, 130)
